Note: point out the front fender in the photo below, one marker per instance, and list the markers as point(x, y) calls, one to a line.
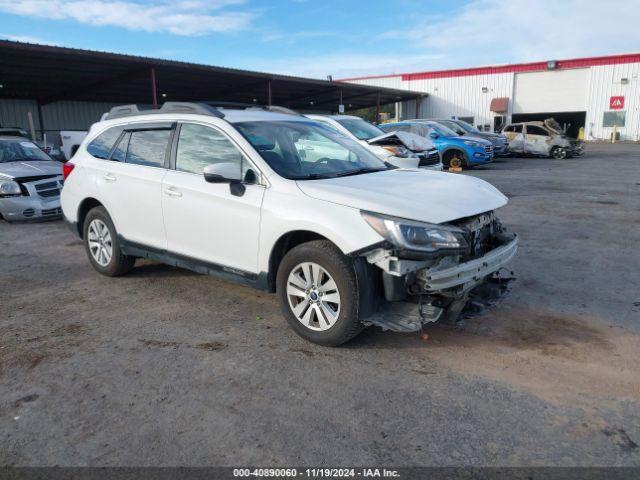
point(284, 212)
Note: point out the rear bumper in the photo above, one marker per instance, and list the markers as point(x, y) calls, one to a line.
point(30, 208)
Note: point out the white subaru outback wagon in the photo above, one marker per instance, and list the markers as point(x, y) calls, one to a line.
point(344, 239)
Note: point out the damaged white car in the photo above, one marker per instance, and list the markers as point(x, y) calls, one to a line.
point(402, 149)
point(345, 241)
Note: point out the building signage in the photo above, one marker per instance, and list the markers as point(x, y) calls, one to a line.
point(616, 103)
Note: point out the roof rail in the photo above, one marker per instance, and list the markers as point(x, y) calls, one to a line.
point(198, 108)
point(253, 106)
point(168, 107)
point(126, 111)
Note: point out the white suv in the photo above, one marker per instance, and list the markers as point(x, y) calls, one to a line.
point(345, 240)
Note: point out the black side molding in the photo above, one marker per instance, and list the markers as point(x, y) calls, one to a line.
point(222, 272)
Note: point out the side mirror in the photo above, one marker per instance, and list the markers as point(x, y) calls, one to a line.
point(225, 172)
point(434, 135)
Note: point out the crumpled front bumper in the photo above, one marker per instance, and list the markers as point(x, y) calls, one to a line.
point(443, 291)
point(469, 274)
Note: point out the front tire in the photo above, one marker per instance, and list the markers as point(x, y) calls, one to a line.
point(318, 292)
point(102, 245)
point(559, 153)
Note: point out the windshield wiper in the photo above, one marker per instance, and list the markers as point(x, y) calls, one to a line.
point(312, 176)
point(360, 171)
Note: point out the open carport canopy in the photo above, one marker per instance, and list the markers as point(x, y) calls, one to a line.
point(49, 74)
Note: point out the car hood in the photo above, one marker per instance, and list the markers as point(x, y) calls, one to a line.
point(30, 168)
point(413, 142)
point(422, 195)
point(473, 138)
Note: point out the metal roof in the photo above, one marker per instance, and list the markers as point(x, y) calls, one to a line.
point(511, 68)
point(48, 74)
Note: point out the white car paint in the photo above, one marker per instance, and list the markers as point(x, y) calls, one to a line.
point(205, 221)
point(390, 192)
point(410, 162)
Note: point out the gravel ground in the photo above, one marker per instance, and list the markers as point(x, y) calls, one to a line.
point(167, 367)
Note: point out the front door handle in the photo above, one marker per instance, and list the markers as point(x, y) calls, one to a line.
point(172, 192)
point(109, 178)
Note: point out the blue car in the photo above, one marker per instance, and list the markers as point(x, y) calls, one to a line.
point(471, 151)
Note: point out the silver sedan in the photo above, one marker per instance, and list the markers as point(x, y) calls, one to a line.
point(30, 181)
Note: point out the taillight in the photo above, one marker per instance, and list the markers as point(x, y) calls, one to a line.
point(67, 168)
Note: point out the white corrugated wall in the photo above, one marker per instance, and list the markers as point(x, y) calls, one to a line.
point(606, 82)
point(565, 90)
point(451, 96)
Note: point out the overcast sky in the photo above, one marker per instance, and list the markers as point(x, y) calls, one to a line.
point(343, 38)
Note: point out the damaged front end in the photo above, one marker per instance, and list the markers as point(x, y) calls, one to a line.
point(435, 273)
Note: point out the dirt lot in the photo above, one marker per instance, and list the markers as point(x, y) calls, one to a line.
point(167, 367)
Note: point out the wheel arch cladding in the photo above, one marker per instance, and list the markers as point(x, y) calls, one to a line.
point(285, 243)
point(85, 207)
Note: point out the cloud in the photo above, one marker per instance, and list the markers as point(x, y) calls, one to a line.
point(181, 17)
point(500, 31)
point(341, 65)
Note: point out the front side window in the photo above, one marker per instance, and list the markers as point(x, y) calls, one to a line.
point(148, 147)
point(517, 128)
point(100, 146)
point(306, 150)
point(200, 146)
point(533, 130)
point(360, 129)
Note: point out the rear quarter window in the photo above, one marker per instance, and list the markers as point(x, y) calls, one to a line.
point(100, 146)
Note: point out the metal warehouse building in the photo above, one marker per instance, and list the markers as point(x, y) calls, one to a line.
point(53, 88)
point(597, 94)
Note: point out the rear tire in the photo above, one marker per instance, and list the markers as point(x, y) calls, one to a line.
point(318, 292)
point(102, 244)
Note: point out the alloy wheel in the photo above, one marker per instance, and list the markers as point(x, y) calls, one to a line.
point(313, 296)
point(100, 242)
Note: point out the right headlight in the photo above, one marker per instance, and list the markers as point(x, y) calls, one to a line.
point(9, 188)
point(398, 151)
point(416, 236)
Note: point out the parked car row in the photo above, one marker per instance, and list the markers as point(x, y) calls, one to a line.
point(458, 141)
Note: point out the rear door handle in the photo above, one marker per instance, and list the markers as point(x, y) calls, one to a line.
point(172, 192)
point(109, 178)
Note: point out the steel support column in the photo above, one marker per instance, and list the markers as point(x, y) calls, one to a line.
point(154, 91)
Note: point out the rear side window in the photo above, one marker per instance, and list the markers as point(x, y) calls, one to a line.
point(102, 144)
point(148, 147)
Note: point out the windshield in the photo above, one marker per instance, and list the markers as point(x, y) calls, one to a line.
point(442, 130)
point(360, 129)
point(454, 126)
point(467, 126)
point(307, 150)
point(15, 150)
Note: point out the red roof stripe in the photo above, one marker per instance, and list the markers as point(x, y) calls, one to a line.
point(513, 68)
